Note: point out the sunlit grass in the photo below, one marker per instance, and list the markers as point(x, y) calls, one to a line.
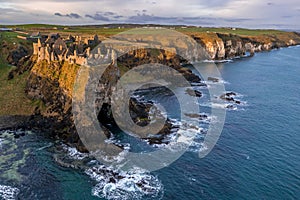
point(13, 100)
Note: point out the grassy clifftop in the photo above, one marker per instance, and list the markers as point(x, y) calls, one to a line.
point(13, 100)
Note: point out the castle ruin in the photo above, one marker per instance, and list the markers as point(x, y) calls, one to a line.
point(74, 50)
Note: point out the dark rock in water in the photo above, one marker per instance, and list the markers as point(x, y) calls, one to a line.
point(230, 94)
point(199, 84)
point(230, 107)
point(189, 75)
point(199, 116)
point(160, 137)
point(19, 134)
point(139, 112)
point(193, 93)
point(229, 97)
point(215, 80)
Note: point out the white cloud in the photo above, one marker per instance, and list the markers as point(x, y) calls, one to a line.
point(254, 13)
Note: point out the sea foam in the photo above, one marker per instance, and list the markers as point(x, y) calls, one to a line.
point(111, 183)
point(8, 193)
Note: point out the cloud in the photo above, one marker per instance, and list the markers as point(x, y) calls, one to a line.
point(140, 18)
point(118, 16)
point(240, 13)
point(8, 10)
point(238, 20)
point(71, 15)
point(105, 16)
point(109, 13)
point(98, 17)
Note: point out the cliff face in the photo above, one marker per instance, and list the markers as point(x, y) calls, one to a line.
point(52, 83)
point(226, 46)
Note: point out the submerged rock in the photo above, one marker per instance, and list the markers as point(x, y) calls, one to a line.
point(193, 93)
point(215, 80)
point(229, 96)
point(199, 116)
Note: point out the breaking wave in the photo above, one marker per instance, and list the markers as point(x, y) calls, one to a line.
point(110, 183)
point(8, 193)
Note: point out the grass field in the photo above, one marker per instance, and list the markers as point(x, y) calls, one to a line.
point(104, 30)
point(13, 100)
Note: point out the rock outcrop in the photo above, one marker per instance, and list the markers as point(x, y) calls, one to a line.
point(52, 83)
point(226, 46)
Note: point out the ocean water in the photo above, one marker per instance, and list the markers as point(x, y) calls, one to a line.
point(256, 157)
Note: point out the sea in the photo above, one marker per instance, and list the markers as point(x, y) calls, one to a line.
point(256, 157)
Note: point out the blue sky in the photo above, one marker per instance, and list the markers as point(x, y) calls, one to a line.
point(238, 13)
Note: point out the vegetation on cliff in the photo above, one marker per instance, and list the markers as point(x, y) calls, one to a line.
point(13, 100)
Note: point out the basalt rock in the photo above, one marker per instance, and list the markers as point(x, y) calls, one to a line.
point(229, 96)
point(193, 93)
point(212, 79)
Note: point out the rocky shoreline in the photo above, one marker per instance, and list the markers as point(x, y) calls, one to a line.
point(52, 83)
point(10, 122)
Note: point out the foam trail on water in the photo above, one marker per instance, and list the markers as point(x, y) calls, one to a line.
point(8, 193)
point(111, 183)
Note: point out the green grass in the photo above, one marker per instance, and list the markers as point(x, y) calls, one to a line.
point(100, 30)
point(238, 31)
point(13, 100)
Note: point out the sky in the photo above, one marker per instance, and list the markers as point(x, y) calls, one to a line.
point(279, 14)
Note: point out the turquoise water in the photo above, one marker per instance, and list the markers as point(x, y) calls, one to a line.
point(256, 157)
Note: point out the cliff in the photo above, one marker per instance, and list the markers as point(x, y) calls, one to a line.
point(226, 46)
point(50, 84)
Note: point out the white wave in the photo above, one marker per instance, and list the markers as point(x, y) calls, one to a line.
point(218, 61)
point(182, 138)
point(220, 81)
point(74, 153)
point(227, 106)
point(114, 185)
point(220, 105)
point(8, 193)
point(116, 158)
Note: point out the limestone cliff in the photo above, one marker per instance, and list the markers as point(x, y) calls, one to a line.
point(225, 46)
